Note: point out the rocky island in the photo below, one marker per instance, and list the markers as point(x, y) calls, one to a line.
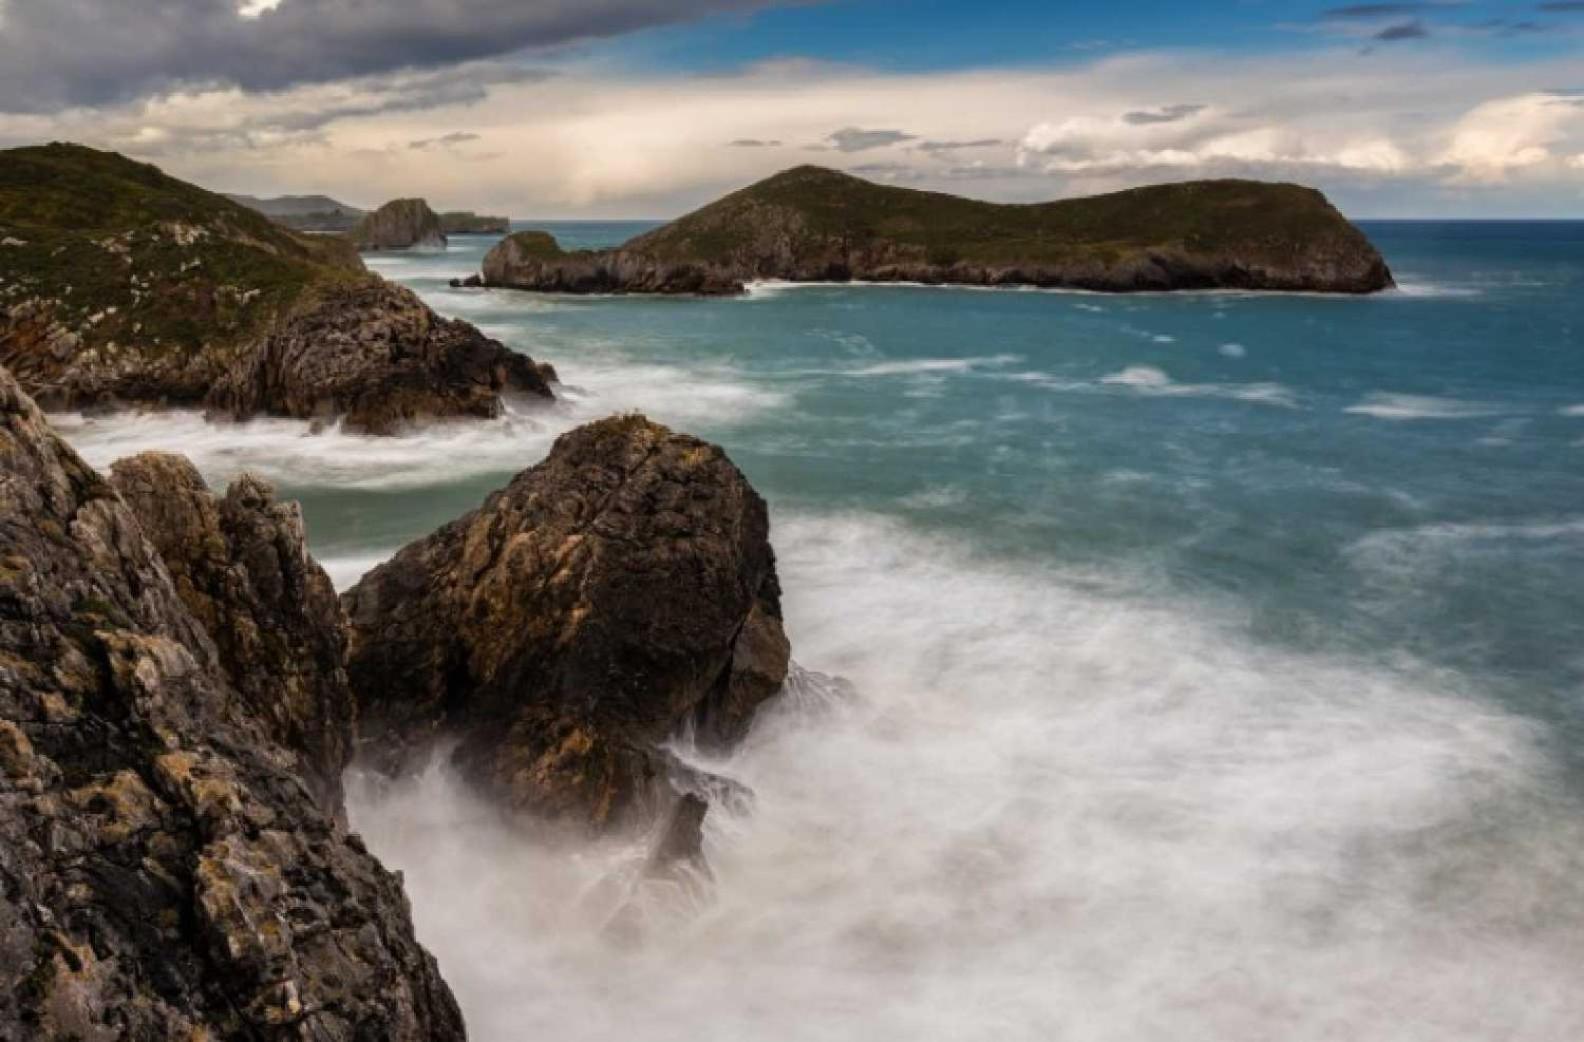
point(120, 285)
point(811, 224)
point(304, 213)
point(401, 224)
point(180, 690)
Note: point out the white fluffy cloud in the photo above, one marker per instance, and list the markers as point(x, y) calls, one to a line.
point(1421, 136)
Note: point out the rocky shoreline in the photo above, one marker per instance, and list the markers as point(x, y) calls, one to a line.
point(810, 224)
point(180, 690)
point(163, 294)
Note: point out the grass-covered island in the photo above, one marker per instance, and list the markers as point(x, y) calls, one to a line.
point(122, 285)
point(811, 224)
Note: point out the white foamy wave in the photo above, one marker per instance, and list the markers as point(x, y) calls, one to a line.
point(1233, 350)
point(1147, 379)
point(1571, 410)
point(1431, 290)
point(1386, 406)
point(346, 570)
point(285, 452)
point(1058, 807)
point(911, 366)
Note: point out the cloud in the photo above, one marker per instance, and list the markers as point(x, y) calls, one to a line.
point(854, 139)
point(1415, 30)
point(1563, 5)
point(1427, 134)
point(1372, 11)
point(59, 53)
point(460, 137)
point(937, 147)
point(1167, 114)
point(750, 142)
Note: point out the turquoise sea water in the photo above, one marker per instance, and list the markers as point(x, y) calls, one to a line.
point(1217, 660)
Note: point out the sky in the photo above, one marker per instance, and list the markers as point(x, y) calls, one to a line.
point(647, 108)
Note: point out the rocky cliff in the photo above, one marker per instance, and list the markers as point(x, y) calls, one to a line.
point(165, 872)
point(120, 285)
point(619, 592)
point(810, 224)
point(401, 224)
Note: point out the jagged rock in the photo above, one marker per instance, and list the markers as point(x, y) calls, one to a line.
point(810, 224)
point(376, 355)
point(619, 591)
point(400, 224)
point(132, 287)
point(240, 564)
point(164, 874)
point(471, 282)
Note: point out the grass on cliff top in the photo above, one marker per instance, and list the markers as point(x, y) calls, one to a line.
point(1209, 216)
point(180, 266)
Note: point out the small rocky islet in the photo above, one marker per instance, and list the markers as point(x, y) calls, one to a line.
point(181, 687)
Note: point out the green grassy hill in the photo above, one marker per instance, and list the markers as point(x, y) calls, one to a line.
point(815, 224)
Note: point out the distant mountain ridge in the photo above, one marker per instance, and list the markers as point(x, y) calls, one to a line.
point(811, 224)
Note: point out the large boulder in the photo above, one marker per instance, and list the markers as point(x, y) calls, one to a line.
point(621, 591)
point(375, 355)
point(400, 224)
point(240, 564)
point(164, 872)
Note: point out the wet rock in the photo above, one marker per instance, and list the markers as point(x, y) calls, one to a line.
point(164, 873)
point(374, 354)
point(619, 592)
point(399, 225)
point(240, 564)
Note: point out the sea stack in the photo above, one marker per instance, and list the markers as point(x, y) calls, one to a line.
point(618, 593)
point(401, 224)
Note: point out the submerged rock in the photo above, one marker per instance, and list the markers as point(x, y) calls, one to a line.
point(620, 591)
point(400, 224)
point(240, 564)
point(164, 872)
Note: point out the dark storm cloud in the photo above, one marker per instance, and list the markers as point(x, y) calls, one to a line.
point(856, 139)
point(752, 142)
point(58, 53)
point(1166, 114)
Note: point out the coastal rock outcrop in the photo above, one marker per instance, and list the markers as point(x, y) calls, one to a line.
point(375, 355)
point(401, 224)
point(810, 224)
point(618, 592)
point(241, 566)
point(130, 287)
point(164, 872)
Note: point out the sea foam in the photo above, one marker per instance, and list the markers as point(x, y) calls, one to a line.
point(1057, 805)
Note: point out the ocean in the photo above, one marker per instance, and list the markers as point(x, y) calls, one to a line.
point(1194, 667)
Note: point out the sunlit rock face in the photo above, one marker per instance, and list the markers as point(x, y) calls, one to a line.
point(165, 871)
